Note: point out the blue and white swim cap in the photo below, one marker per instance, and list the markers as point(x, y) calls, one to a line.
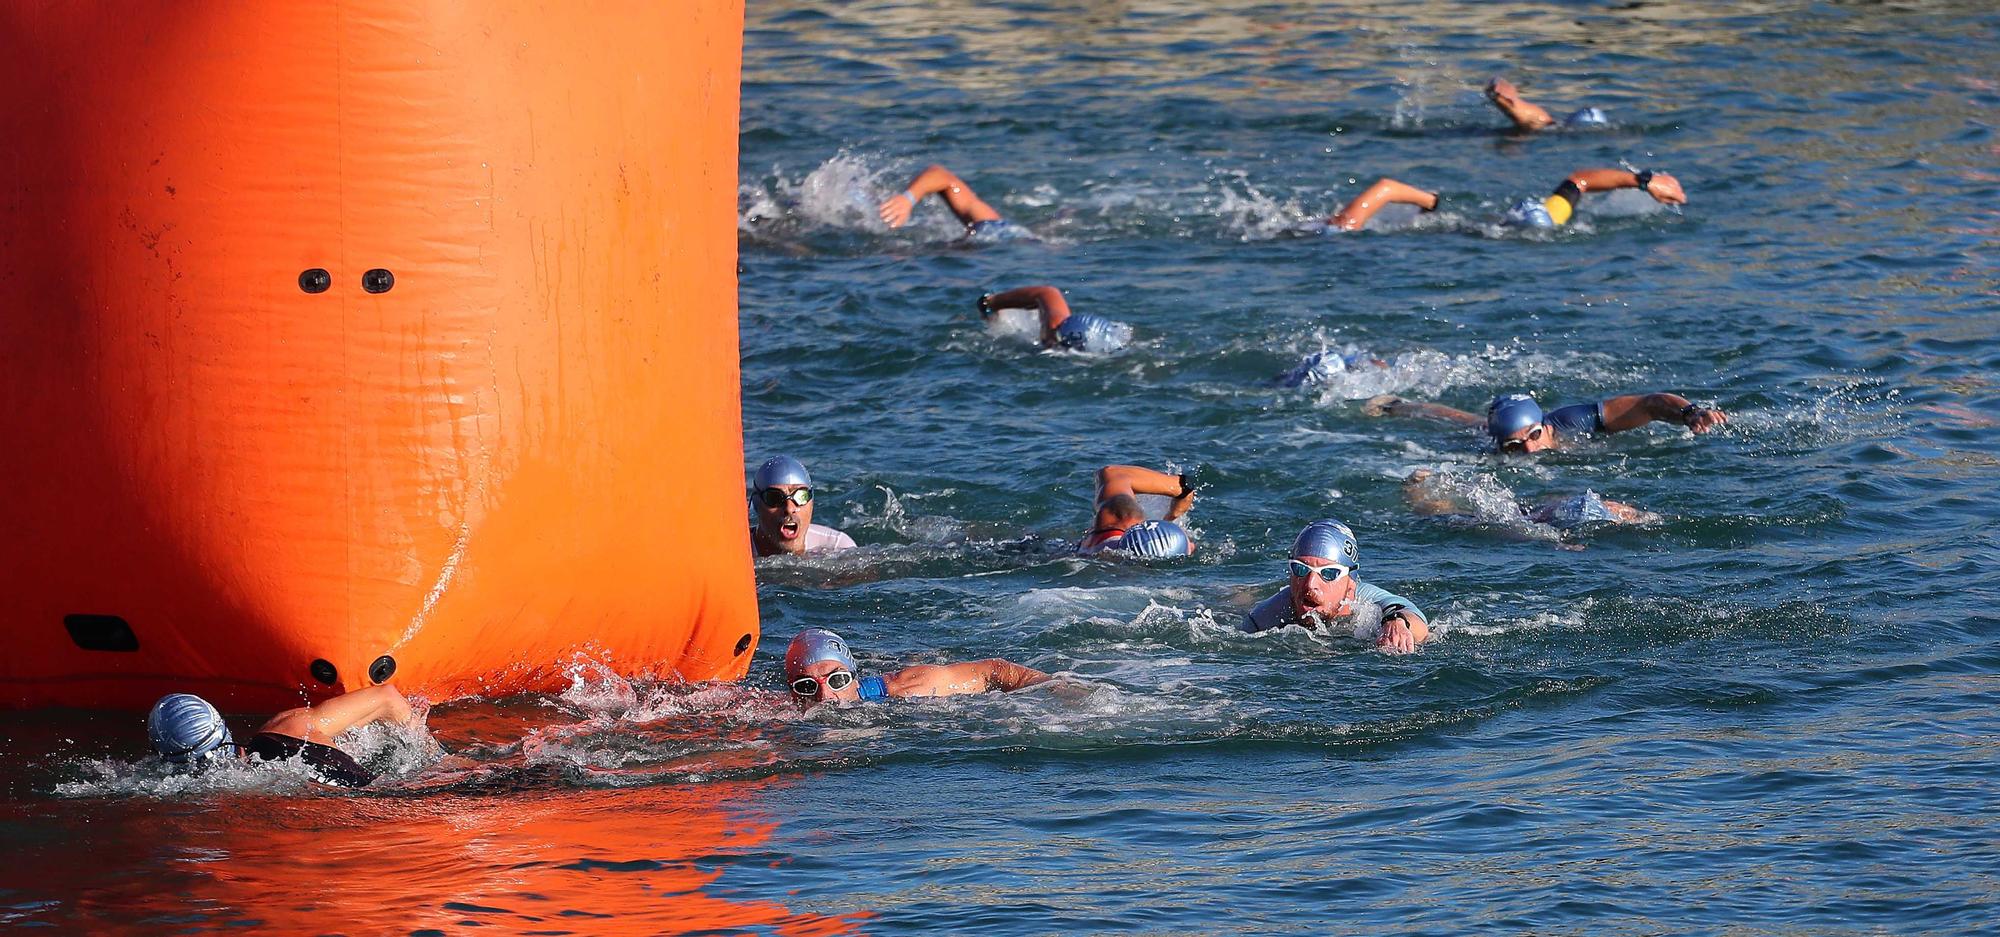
point(1511, 413)
point(185, 729)
point(1153, 540)
point(1529, 213)
point(1587, 117)
point(814, 645)
point(1331, 539)
point(780, 470)
point(1578, 510)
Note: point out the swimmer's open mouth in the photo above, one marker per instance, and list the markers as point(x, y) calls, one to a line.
point(789, 529)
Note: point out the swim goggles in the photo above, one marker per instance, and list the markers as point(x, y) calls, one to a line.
point(773, 497)
point(808, 687)
point(1520, 443)
point(1329, 572)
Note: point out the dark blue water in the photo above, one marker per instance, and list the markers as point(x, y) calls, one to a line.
point(1771, 711)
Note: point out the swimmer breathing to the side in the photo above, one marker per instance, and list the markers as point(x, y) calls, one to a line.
point(1428, 498)
point(1061, 328)
point(1528, 116)
point(1557, 209)
point(1321, 589)
point(781, 494)
point(819, 668)
point(972, 211)
point(189, 733)
point(1516, 422)
point(1120, 524)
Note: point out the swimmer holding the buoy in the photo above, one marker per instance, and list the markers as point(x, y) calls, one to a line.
point(1120, 525)
point(189, 734)
point(820, 669)
point(781, 496)
point(1322, 590)
point(1061, 328)
point(1517, 424)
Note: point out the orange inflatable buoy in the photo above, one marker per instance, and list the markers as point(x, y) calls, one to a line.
point(367, 340)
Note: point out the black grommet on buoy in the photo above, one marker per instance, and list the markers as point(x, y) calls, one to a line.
point(742, 644)
point(382, 669)
point(316, 280)
point(322, 670)
point(378, 280)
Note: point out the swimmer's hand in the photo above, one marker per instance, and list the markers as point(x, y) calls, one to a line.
point(1396, 637)
point(1380, 405)
point(895, 210)
point(1702, 419)
point(985, 305)
point(1666, 190)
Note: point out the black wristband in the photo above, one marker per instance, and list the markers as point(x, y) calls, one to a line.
point(986, 304)
point(1688, 412)
point(1571, 191)
point(1437, 201)
point(1393, 610)
point(1642, 179)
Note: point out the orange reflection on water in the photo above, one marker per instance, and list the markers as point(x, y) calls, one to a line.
point(633, 861)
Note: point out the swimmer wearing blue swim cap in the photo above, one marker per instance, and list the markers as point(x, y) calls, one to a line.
point(819, 668)
point(1557, 209)
point(978, 217)
point(1322, 588)
point(1531, 117)
point(1434, 494)
point(1119, 514)
point(1517, 424)
point(1061, 328)
point(189, 734)
point(781, 497)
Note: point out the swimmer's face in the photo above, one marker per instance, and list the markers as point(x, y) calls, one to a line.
point(823, 677)
point(785, 522)
point(1532, 439)
point(1314, 592)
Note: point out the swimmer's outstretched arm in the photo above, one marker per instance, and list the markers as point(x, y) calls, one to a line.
point(1392, 405)
point(1115, 480)
point(958, 196)
point(1508, 99)
point(1046, 299)
point(361, 707)
point(1663, 188)
point(977, 676)
point(1635, 410)
point(1422, 499)
point(1385, 191)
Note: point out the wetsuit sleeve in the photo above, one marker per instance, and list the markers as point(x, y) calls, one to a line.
point(820, 538)
point(1383, 598)
point(1268, 614)
point(1577, 419)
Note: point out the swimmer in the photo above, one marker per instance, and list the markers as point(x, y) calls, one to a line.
point(1531, 117)
point(1120, 523)
point(1517, 424)
point(189, 733)
point(972, 211)
point(1429, 498)
point(781, 495)
point(1555, 211)
point(1321, 588)
point(819, 668)
point(1321, 366)
point(1061, 328)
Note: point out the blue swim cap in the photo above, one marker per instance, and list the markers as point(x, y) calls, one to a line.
point(185, 728)
point(1529, 213)
point(780, 470)
point(1578, 510)
point(814, 645)
point(1153, 540)
point(1328, 538)
point(1588, 117)
point(1511, 413)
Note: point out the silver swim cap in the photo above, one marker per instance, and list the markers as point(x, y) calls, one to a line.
point(1529, 213)
point(185, 728)
point(814, 645)
point(1587, 117)
point(1328, 538)
point(1154, 540)
point(780, 470)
